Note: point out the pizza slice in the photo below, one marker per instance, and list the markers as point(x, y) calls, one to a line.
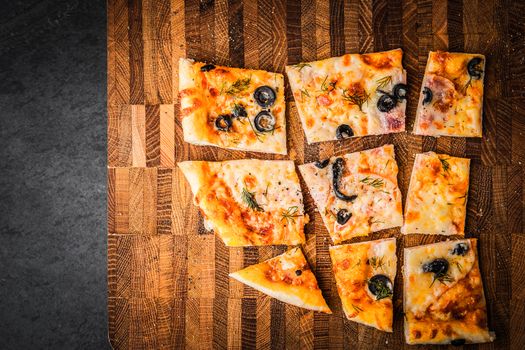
point(436, 201)
point(443, 299)
point(249, 202)
point(365, 273)
point(287, 278)
point(356, 193)
point(451, 99)
point(350, 95)
point(232, 108)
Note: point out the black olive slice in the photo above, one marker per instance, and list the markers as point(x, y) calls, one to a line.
point(458, 342)
point(474, 69)
point(239, 111)
point(460, 249)
point(321, 164)
point(264, 96)
point(428, 95)
point(343, 216)
point(344, 131)
point(298, 272)
point(207, 67)
point(264, 121)
point(223, 122)
point(400, 91)
point(386, 103)
point(438, 266)
point(337, 172)
point(381, 286)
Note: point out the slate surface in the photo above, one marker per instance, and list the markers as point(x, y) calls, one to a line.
point(53, 174)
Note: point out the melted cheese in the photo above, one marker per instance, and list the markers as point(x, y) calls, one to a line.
point(372, 176)
point(321, 91)
point(286, 277)
point(353, 265)
point(206, 95)
point(437, 195)
point(224, 190)
point(456, 107)
point(437, 312)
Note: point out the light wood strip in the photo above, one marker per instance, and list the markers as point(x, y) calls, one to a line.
point(138, 135)
point(136, 200)
point(121, 200)
point(167, 137)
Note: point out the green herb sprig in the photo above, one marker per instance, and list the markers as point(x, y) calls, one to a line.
point(238, 86)
point(383, 82)
point(290, 214)
point(301, 65)
point(374, 182)
point(249, 198)
point(356, 98)
point(382, 290)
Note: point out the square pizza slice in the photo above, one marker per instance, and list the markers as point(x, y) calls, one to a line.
point(451, 99)
point(443, 299)
point(232, 108)
point(436, 201)
point(288, 278)
point(350, 95)
point(249, 202)
point(365, 273)
point(356, 193)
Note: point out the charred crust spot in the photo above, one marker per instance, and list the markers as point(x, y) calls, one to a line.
point(417, 334)
point(377, 61)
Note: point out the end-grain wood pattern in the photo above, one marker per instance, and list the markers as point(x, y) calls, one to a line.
point(168, 278)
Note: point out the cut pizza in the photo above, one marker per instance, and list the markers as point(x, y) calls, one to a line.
point(365, 273)
point(232, 108)
point(286, 277)
point(356, 193)
point(444, 301)
point(437, 195)
point(451, 99)
point(249, 202)
point(351, 95)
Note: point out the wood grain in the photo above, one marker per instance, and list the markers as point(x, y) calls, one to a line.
point(168, 284)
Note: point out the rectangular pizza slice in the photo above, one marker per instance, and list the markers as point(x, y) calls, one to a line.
point(288, 278)
point(451, 99)
point(249, 202)
point(350, 95)
point(365, 273)
point(356, 193)
point(436, 201)
point(443, 298)
point(232, 108)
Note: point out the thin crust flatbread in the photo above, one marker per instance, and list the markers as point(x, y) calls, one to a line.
point(451, 98)
point(286, 277)
point(436, 202)
point(443, 299)
point(368, 179)
point(249, 202)
point(219, 107)
point(365, 273)
point(339, 97)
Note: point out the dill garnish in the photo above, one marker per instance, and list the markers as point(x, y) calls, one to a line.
point(460, 268)
point(383, 82)
point(444, 164)
point(328, 87)
point(387, 162)
point(382, 290)
point(265, 193)
point(442, 278)
point(374, 182)
point(238, 86)
point(249, 198)
point(357, 98)
point(376, 262)
point(290, 214)
point(305, 92)
point(301, 65)
point(357, 308)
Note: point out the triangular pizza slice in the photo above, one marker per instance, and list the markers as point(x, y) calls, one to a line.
point(365, 273)
point(286, 277)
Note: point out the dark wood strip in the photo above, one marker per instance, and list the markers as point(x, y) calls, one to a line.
point(337, 16)
point(207, 30)
point(366, 37)
point(249, 322)
point(278, 31)
point(136, 53)
point(278, 324)
point(153, 136)
point(192, 23)
point(220, 305)
point(235, 32)
point(251, 257)
point(517, 304)
point(379, 25)
point(118, 323)
point(264, 34)
point(455, 25)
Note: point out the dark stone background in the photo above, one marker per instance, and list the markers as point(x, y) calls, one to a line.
point(53, 174)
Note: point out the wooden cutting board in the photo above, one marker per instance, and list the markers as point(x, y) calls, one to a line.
point(168, 278)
